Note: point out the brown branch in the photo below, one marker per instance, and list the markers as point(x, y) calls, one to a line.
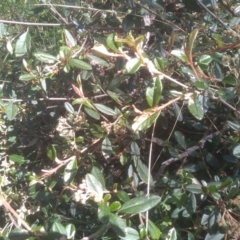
point(185, 154)
point(228, 7)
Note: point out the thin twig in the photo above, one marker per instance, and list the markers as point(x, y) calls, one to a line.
point(185, 154)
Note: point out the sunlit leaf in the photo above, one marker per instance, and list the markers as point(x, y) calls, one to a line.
point(133, 65)
point(45, 57)
point(139, 204)
point(172, 234)
point(144, 121)
point(180, 54)
point(104, 109)
point(111, 43)
point(23, 44)
point(94, 185)
point(11, 110)
point(70, 39)
point(154, 231)
point(79, 64)
point(59, 228)
point(195, 106)
point(70, 171)
point(107, 148)
point(17, 158)
point(153, 93)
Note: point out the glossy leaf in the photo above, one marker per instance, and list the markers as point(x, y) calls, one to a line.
point(236, 151)
point(11, 110)
point(133, 65)
point(118, 225)
point(94, 60)
point(195, 106)
point(153, 93)
point(104, 109)
point(194, 188)
point(180, 138)
point(154, 231)
point(115, 206)
point(172, 234)
point(70, 230)
point(107, 148)
point(144, 121)
point(123, 196)
point(45, 57)
point(51, 152)
point(139, 204)
point(111, 43)
point(23, 44)
point(160, 63)
point(191, 203)
point(103, 212)
point(92, 113)
point(70, 171)
point(180, 54)
point(59, 228)
point(94, 185)
point(69, 107)
point(142, 171)
point(131, 234)
point(70, 39)
point(79, 64)
point(191, 40)
point(98, 175)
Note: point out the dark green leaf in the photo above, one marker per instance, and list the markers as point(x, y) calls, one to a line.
point(139, 204)
point(153, 93)
point(154, 231)
point(195, 106)
point(118, 225)
point(90, 112)
point(194, 188)
point(128, 22)
point(94, 60)
point(180, 54)
point(180, 138)
point(123, 196)
point(17, 158)
point(98, 175)
point(107, 148)
point(111, 43)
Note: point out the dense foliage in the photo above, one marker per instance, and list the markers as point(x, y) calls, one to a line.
point(120, 119)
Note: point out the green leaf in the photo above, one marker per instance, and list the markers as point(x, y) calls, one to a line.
point(160, 63)
point(90, 112)
point(205, 60)
point(79, 64)
point(70, 171)
point(131, 234)
point(115, 206)
point(133, 65)
point(110, 42)
point(96, 172)
point(191, 203)
point(11, 110)
point(123, 196)
point(94, 185)
point(70, 39)
point(145, 120)
point(236, 151)
point(71, 231)
point(194, 188)
point(96, 60)
point(27, 77)
point(128, 22)
point(234, 126)
point(17, 158)
point(23, 44)
point(140, 204)
point(142, 171)
point(231, 80)
point(172, 234)
point(3, 30)
point(195, 106)
point(153, 93)
point(51, 152)
point(154, 231)
point(217, 236)
point(191, 40)
point(104, 109)
point(218, 39)
point(103, 212)
point(180, 138)
point(118, 224)
point(180, 54)
point(107, 148)
point(45, 57)
point(59, 228)
point(68, 106)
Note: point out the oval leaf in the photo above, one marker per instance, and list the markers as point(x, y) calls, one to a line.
point(79, 64)
point(133, 65)
point(45, 57)
point(94, 185)
point(11, 110)
point(104, 109)
point(140, 204)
